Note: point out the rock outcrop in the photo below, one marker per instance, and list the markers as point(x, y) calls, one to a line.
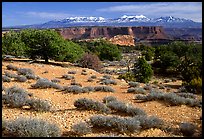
point(116, 35)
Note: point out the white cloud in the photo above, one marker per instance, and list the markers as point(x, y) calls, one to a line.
point(189, 10)
point(48, 15)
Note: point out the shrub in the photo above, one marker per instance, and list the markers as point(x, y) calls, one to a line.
point(81, 128)
point(93, 77)
point(142, 71)
point(88, 89)
point(149, 122)
point(106, 76)
point(135, 111)
point(133, 84)
point(25, 71)
point(170, 98)
point(136, 90)
point(108, 81)
point(90, 61)
point(11, 67)
point(77, 84)
point(39, 105)
point(67, 77)
point(73, 89)
point(27, 127)
point(16, 97)
point(147, 87)
point(55, 81)
point(10, 75)
point(195, 85)
point(71, 72)
point(21, 78)
point(128, 76)
point(124, 108)
point(45, 83)
point(187, 95)
point(30, 76)
point(89, 104)
point(109, 99)
point(5, 78)
point(104, 89)
point(124, 125)
point(188, 129)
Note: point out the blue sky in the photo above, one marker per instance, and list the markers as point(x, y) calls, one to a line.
point(25, 13)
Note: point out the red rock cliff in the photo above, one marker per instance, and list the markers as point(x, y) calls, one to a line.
point(142, 33)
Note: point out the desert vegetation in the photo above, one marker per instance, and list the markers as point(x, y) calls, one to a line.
point(94, 88)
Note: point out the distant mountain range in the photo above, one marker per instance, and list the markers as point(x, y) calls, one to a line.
point(138, 20)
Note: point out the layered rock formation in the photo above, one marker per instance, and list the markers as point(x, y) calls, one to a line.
point(116, 35)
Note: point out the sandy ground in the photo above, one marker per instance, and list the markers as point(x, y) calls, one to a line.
point(64, 113)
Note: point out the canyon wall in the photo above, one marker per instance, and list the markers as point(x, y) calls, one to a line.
point(116, 35)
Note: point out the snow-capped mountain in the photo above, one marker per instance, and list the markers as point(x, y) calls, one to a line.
point(125, 20)
point(170, 19)
point(84, 19)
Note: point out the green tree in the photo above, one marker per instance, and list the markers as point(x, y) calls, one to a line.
point(108, 51)
point(142, 71)
point(43, 43)
point(13, 45)
point(48, 44)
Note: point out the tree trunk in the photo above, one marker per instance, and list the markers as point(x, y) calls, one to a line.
point(46, 59)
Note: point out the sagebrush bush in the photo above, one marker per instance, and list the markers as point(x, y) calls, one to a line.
point(45, 83)
point(108, 81)
point(149, 122)
point(21, 78)
point(133, 84)
point(187, 129)
point(39, 105)
point(67, 77)
point(81, 128)
point(73, 89)
point(5, 78)
point(106, 76)
point(170, 98)
point(135, 111)
point(136, 90)
point(109, 99)
point(93, 76)
point(31, 76)
point(27, 127)
point(90, 61)
point(11, 67)
point(10, 75)
point(77, 84)
point(25, 71)
point(124, 125)
point(71, 72)
point(124, 108)
point(89, 104)
point(87, 89)
point(55, 81)
point(104, 89)
point(16, 97)
point(187, 95)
